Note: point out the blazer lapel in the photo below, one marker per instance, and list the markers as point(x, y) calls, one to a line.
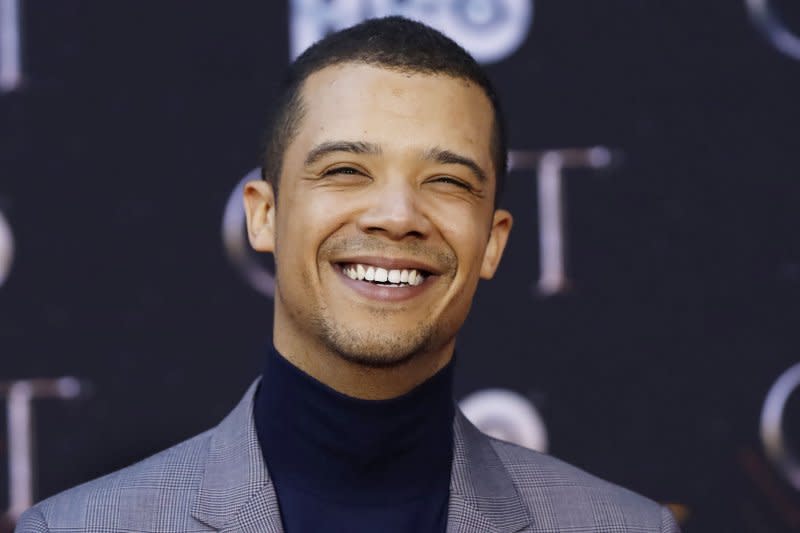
point(235, 493)
point(482, 495)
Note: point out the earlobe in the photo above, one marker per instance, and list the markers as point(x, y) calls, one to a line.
point(259, 206)
point(498, 237)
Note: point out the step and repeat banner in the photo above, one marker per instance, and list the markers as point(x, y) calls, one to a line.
point(643, 324)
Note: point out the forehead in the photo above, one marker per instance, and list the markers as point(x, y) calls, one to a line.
point(398, 110)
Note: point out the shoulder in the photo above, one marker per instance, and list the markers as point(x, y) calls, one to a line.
point(162, 483)
point(574, 497)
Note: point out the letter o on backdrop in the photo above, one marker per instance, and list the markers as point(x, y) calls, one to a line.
point(769, 23)
point(489, 29)
point(237, 247)
point(508, 416)
point(6, 249)
point(772, 425)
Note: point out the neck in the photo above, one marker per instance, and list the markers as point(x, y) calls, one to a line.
point(350, 378)
point(348, 449)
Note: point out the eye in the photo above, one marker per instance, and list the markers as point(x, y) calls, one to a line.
point(343, 176)
point(341, 170)
point(453, 181)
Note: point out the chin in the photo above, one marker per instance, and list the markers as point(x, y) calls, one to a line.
point(379, 351)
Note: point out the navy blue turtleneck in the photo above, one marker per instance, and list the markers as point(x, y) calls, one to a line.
point(343, 464)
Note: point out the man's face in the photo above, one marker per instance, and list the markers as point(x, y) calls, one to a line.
point(385, 218)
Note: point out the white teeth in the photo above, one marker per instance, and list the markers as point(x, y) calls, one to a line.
point(396, 277)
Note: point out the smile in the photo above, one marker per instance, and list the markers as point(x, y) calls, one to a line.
point(386, 277)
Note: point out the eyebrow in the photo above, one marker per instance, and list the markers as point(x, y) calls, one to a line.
point(446, 157)
point(357, 147)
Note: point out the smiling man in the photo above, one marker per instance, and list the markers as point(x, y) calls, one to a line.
point(384, 223)
point(383, 166)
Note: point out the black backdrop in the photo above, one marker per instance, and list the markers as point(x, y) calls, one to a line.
point(136, 120)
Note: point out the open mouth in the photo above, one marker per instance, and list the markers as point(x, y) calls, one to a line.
point(385, 277)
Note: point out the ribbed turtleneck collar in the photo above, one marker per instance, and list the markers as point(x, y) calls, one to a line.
point(341, 448)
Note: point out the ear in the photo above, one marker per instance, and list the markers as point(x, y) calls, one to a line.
point(259, 206)
point(498, 237)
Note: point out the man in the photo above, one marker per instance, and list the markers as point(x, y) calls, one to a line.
point(382, 170)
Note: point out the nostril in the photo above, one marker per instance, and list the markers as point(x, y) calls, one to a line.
point(384, 229)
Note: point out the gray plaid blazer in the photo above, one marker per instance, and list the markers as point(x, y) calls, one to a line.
point(217, 481)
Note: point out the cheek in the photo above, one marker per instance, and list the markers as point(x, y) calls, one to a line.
point(294, 238)
point(467, 236)
point(303, 227)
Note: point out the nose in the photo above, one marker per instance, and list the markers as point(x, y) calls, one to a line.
point(394, 213)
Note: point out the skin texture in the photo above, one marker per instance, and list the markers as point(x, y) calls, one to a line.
point(389, 182)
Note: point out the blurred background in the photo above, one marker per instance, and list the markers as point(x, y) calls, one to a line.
point(643, 324)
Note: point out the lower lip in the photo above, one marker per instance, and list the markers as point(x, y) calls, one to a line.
point(383, 293)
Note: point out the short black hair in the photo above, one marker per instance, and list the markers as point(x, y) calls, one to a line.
point(395, 43)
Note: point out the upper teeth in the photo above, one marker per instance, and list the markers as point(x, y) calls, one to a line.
point(394, 276)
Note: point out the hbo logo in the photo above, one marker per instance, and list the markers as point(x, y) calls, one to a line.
point(489, 29)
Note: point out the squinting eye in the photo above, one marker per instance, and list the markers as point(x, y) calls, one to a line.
point(454, 181)
point(341, 170)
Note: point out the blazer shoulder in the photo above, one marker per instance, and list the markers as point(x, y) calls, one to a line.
point(545, 482)
point(168, 478)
